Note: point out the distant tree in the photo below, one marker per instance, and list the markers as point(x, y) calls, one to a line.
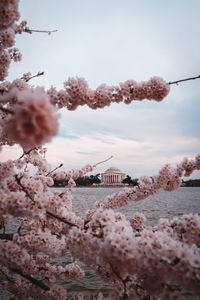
point(88, 180)
point(95, 178)
point(60, 183)
point(130, 181)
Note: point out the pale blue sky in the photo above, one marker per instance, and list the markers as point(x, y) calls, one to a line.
point(110, 41)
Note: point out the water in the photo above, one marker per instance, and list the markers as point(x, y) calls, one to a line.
point(162, 205)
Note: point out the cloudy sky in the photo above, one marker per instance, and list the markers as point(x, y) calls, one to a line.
point(111, 41)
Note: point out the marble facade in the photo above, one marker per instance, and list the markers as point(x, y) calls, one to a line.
point(112, 176)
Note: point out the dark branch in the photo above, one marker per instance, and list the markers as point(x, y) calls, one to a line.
point(125, 295)
point(23, 189)
point(37, 75)
point(60, 219)
point(6, 236)
point(28, 152)
point(42, 31)
point(47, 212)
point(6, 110)
point(2, 91)
point(186, 79)
point(31, 279)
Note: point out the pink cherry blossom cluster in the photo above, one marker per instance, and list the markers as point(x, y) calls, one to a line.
point(33, 120)
point(126, 253)
point(168, 179)
point(184, 228)
point(123, 252)
point(77, 92)
point(8, 13)
point(8, 16)
point(138, 221)
point(74, 174)
point(22, 27)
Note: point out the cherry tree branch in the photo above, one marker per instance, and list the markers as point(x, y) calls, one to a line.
point(61, 219)
point(181, 80)
point(125, 295)
point(103, 161)
point(31, 77)
point(28, 152)
point(23, 188)
point(31, 279)
point(41, 31)
point(47, 212)
point(54, 169)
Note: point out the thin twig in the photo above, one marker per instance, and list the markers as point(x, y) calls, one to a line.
point(122, 280)
point(36, 75)
point(186, 79)
point(42, 31)
point(103, 161)
point(19, 231)
point(23, 188)
point(54, 169)
point(28, 152)
point(60, 219)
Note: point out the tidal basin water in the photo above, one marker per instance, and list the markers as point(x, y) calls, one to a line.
point(162, 205)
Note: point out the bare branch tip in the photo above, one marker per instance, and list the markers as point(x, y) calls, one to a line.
point(103, 161)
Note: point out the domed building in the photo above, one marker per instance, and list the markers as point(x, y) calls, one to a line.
point(112, 176)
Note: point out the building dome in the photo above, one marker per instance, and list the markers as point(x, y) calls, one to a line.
point(113, 169)
point(112, 176)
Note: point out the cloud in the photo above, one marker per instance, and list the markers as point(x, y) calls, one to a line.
point(133, 157)
point(113, 41)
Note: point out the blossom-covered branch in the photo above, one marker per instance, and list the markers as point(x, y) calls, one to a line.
point(168, 179)
point(125, 252)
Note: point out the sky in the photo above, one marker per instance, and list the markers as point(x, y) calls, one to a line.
point(111, 41)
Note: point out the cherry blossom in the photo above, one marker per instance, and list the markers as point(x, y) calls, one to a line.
point(125, 252)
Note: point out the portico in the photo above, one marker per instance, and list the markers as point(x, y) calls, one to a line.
point(112, 176)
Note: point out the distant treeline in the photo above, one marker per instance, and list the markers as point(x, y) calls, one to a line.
point(82, 181)
point(92, 179)
point(130, 181)
point(191, 182)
